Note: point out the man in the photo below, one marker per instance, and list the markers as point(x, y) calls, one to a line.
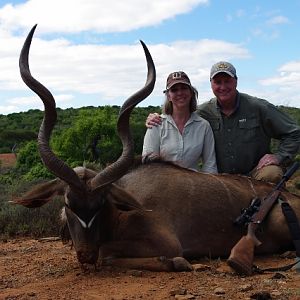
point(243, 127)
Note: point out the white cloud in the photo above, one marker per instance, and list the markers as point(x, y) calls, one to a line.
point(23, 103)
point(288, 76)
point(116, 70)
point(33, 100)
point(7, 109)
point(96, 15)
point(108, 71)
point(284, 85)
point(278, 20)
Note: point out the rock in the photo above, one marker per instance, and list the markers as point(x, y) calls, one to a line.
point(245, 287)
point(136, 273)
point(219, 291)
point(261, 296)
point(184, 297)
point(181, 264)
point(224, 269)
point(179, 291)
point(288, 254)
point(276, 293)
point(201, 267)
point(278, 276)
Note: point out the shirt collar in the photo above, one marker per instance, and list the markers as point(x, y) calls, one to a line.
point(193, 118)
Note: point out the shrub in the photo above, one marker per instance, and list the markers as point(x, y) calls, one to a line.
point(17, 220)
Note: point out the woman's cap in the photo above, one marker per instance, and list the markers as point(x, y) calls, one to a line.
point(177, 77)
point(223, 67)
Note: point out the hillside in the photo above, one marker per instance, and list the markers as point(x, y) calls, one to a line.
point(20, 127)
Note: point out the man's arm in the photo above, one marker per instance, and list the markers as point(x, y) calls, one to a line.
point(267, 160)
point(280, 126)
point(153, 119)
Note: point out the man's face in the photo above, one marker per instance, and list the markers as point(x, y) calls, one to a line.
point(224, 88)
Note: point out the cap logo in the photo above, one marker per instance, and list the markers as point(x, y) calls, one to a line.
point(223, 66)
point(176, 75)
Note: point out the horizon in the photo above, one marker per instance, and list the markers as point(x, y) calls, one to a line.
point(93, 53)
point(118, 106)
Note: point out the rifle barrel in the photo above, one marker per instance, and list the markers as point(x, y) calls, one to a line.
point(288, 174)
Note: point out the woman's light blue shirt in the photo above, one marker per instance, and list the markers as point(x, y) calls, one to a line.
point(195, 144)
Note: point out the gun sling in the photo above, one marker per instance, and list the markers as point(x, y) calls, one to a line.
point(293, 224)
point(242, 264)
point(294, 227)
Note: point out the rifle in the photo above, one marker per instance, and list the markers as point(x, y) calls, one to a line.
point(242, 254)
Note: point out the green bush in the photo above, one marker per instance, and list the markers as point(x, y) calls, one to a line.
point(36, 172)
point(20, 221)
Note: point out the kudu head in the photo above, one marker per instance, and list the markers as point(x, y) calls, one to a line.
point(85, 192)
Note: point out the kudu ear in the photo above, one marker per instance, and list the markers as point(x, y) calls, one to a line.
point(41, 194)
point(122, 199)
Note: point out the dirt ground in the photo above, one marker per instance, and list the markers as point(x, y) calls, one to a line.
point(47, 269)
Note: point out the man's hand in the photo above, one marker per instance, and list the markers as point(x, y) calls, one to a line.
point(153, 120)
point(267, 160)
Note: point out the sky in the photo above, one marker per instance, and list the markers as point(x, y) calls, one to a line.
point(87, 52)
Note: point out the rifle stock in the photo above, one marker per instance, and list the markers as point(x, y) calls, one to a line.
point(242, 254)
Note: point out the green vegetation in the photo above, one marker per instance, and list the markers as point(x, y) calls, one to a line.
point(81, 136)
point(20, 221)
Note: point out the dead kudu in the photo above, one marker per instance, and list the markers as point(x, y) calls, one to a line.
point(152, 216)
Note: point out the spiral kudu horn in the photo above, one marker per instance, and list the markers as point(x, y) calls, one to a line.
point(53, 163)
point(57, 166)
point(120, 167)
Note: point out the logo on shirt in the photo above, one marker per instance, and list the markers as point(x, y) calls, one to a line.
point(243, 120)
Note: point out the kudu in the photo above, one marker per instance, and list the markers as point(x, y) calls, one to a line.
point(150, 216)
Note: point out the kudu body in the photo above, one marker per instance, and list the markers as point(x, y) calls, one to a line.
point(150, 216)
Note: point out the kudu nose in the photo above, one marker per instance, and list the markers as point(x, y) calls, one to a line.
point(87, 257)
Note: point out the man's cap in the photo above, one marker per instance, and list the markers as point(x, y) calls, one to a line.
point(177, 77)
point(223, 67)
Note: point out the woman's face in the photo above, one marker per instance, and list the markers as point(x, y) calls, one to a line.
point(180, 95)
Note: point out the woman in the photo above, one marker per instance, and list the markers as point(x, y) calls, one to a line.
point(183, 137)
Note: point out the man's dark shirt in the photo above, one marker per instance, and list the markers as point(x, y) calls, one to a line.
point(242, 138)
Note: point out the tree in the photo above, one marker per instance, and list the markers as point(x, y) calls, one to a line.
point(29, 163)
point(92, 136)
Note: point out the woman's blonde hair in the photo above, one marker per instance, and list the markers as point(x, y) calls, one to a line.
point(168, 105)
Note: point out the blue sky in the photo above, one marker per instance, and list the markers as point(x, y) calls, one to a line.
point(87, 52)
